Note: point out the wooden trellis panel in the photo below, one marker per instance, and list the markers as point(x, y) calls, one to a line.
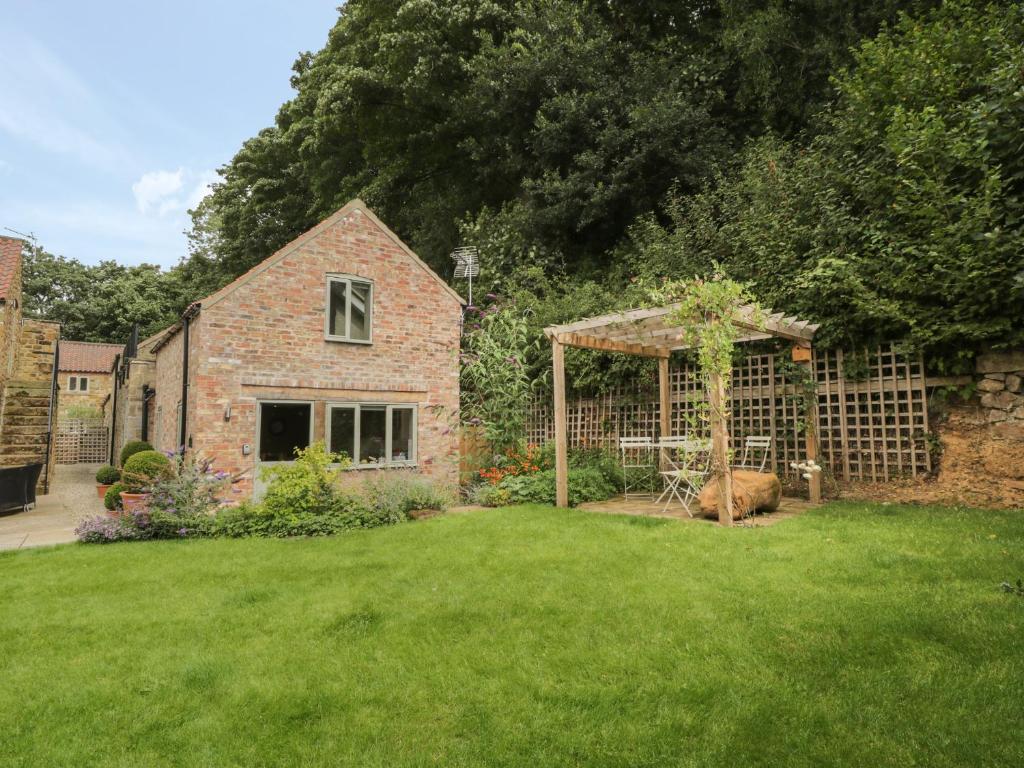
point(871, 426)
point(81, 441)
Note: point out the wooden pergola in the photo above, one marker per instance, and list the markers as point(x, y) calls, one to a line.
point(655, 332)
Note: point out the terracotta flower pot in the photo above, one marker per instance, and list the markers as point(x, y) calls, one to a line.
point(101, 490)
point(134, 502)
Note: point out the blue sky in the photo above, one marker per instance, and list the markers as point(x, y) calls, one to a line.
point(115, 115)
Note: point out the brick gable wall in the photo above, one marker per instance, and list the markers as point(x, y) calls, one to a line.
point(265, 341)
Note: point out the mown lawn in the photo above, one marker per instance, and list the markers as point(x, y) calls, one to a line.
point(853, 635)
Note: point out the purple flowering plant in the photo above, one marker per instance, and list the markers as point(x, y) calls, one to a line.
point(193, 489)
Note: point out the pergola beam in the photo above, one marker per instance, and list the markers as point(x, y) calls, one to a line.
point(610, 345)
point(639, 326)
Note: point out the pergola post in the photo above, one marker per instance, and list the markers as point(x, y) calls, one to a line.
point(811, 435)
point(665, 407)
point(720, 446)
point(561, 436)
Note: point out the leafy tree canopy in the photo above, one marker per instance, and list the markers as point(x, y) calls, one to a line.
point(901, 218)
point(857, 163)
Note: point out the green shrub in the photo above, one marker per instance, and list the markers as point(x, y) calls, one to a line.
point(604, 461)
point(394, 495)
point(489, 495)
point(133, 447)
point(112, 498)
point(143, 469)
point(347, 511)
point(308, 485)
point(107, 475)
point(585, 484)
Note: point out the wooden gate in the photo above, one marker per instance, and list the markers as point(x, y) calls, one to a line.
point(871, 415)
point(81, 441)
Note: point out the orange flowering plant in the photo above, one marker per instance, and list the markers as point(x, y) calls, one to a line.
point(518, 462)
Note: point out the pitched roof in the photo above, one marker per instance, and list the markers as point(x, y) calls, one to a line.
point(10, 259)
point(88, 357)
point(305, 237)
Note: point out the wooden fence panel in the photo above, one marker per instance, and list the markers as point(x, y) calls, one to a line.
point(872, 426)
point(81, 441)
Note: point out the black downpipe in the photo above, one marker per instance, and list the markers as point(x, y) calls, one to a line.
point(113, 406)
point(186, 322)
point(147, 395)
point(49, 413)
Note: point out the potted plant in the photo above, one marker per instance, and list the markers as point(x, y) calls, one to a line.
point(106, 476)
point(132, 447)
point(112, 498)
point(141, 470)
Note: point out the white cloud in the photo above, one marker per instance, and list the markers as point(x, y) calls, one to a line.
point(165, 192)
point(157, 190)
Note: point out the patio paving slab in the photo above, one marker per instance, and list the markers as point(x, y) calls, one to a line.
point(55, 515)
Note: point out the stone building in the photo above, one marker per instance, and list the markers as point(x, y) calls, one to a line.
point(27, 393)
point(344, 335)
point(85, 379)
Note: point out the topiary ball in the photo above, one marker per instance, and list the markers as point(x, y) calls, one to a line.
point(132, 447)
point(107, 474)
point(143, 468)
point(112, 498)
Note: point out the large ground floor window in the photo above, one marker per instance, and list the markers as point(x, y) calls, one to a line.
point(373, 434)
point(284, 427)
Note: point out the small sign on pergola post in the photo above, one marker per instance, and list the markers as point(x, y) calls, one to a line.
point(655, 332)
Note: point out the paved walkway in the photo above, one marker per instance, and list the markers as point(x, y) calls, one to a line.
point(53, 520)
point(647, 506)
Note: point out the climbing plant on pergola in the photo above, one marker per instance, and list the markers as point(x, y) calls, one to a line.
point(657, 332)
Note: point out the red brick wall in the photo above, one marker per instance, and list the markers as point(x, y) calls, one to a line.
point(265, 341)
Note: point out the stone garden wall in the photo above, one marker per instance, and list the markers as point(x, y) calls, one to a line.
point(1001, 389)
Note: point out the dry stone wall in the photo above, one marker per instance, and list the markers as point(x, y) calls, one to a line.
point(1001, 392)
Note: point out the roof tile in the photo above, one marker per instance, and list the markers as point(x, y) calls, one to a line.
point(88, 357)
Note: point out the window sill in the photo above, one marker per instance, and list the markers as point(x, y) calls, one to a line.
point(390, 465)
point(343, 340)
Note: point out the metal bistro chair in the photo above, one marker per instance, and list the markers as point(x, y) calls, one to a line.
point(754, 446)
point(633, 450)
point(689, 470)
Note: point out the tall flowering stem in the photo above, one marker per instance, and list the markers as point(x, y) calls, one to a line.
point(495, 384)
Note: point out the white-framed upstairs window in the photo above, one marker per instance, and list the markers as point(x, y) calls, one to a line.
point(78, 384)
point(349, 315)
point(373, 434)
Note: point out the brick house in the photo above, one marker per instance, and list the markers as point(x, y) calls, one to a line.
point(85, 378)
point(344, 335)
point(27, 392)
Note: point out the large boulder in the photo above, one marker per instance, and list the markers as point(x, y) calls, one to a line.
point(750, 491)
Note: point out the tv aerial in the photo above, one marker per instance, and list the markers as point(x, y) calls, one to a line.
point(467, 265)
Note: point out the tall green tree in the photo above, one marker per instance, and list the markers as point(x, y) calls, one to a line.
point(566, 120)
point(101, 302)
point(902, 218)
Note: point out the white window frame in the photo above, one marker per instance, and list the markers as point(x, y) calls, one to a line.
point(347, 280)
point(259, 425)
point(389, 408)
point(75, 383)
